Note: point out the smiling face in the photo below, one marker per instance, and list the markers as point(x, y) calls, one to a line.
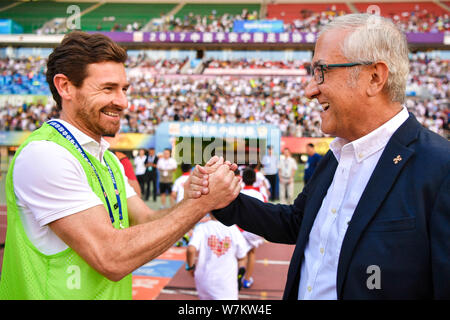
point(341, 97)
point(97, 106)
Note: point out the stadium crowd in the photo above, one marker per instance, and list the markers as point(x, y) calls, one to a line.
point(278, 100)
point(417, 20)
point(253, 64)
point(209, 23)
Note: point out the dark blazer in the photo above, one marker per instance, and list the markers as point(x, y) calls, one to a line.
point(152, 172)
point(401, 223)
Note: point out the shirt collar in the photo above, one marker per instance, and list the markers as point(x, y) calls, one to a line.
point(89, 144)
point(374, 141)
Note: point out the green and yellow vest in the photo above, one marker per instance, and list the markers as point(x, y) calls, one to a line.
point(29, 274)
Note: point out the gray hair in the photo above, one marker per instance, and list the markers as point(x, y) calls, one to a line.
point(374, 38)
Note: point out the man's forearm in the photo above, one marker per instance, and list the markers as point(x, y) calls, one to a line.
point(140, 244)
point(276, 223)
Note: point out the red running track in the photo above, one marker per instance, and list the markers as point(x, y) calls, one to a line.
point(272, 262)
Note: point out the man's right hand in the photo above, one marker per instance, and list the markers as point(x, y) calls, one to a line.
point(198, 182)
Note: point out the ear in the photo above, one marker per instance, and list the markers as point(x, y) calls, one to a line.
point(64, 86)
point(378, 77)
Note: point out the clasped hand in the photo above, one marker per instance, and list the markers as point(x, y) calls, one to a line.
point(215, 183)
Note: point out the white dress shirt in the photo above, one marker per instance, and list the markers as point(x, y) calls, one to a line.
point(356, 163)
point(270, 163)
point(50, 184)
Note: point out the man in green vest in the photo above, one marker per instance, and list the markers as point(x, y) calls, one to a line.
point(76, 229)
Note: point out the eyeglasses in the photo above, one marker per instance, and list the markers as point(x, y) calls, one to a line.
point(317, 71)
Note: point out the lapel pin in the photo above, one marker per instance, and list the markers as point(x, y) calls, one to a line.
point(397, 159)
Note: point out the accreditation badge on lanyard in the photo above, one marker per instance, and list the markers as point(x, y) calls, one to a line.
point(69, 137)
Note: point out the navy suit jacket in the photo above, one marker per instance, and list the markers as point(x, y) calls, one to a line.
point(401, 223)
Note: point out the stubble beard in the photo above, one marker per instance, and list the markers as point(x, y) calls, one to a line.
point(90, 118)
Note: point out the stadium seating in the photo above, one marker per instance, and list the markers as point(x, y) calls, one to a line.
point(222, 89)
point(390, 9)
point(411, 16)
point(115, 16)
point(21, 84)
point(422, 16)
point(32, 15)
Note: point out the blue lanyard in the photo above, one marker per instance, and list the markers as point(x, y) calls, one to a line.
point(66, 134)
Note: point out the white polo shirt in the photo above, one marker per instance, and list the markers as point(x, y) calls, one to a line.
point(139, 163)
point(178, 186)
point(50, 183)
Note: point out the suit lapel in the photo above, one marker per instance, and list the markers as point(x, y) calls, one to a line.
point(394, 158)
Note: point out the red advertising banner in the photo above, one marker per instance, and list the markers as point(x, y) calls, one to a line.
point(298, 145)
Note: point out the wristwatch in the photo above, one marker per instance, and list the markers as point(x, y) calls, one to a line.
point(190, 268)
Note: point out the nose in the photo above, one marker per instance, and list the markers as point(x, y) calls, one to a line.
point(312, 89)
point(121, 99)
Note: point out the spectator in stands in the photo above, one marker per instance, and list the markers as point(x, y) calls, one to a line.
point(154, 99)
point(311, 163)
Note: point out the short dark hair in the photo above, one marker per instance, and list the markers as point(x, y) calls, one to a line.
point(76, 51)
point(185, 167)
point(249, 176)
point(310, 145)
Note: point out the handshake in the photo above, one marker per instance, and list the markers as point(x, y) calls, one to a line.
point(215, 184)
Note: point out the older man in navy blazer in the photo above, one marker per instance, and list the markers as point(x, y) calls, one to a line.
point(374, 220)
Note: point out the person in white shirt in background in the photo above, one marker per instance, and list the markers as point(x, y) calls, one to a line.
point(166, 166)
point(220, 249)
point(261, 182)
point(253, 240)
point(178, 185)
point(178, 194)
point(287, 169)
point(140, 169)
